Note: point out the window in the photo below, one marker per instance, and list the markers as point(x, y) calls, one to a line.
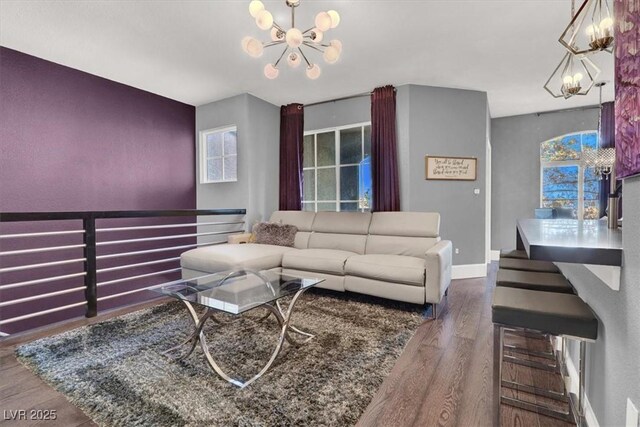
point(565, 182)
point(337, 169)
point(219, 155)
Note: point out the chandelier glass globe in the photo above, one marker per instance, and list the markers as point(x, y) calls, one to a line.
point(276, 34)
point(323, 21)
point(331, 55)
point(335, 18)
point(337, 44)
point(294, 60)
point(317, 35)
point(255, 7)
point(271, 72)
point(264, 20)
point(313, 71)
point(253, 47)
point(294, 38)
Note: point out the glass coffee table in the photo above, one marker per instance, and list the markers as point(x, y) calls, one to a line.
point(237, 292)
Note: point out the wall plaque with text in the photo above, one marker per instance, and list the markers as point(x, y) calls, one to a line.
point(451, 168)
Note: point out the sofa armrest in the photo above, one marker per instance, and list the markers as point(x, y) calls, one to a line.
point(438, 270)
point(239, 238)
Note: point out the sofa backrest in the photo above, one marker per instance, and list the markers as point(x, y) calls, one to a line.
point(301, 219)
point(403, 233)
point(345, 231)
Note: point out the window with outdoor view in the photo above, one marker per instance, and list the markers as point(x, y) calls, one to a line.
point(337, 169)
point(564, 181)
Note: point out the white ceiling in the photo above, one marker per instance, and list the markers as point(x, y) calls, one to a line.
point(190, 50)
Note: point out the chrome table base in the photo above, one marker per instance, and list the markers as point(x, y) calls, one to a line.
point(197, 336)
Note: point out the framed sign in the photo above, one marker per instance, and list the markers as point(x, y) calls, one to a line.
point(450, 168)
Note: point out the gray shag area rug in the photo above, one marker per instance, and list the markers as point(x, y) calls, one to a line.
point(114, 371)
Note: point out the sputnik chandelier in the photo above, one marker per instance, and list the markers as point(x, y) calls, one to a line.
point(293, 39)
point(589, 31)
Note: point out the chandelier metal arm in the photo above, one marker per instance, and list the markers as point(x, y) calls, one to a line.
point(278, 27)
point(304, 56)
point(281, 56)
point(306, 31)
point(274, 43)
point(312, 46)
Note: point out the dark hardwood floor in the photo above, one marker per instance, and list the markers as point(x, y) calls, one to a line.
point(443, 377)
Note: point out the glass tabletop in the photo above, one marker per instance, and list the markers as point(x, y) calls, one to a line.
point(237, 291)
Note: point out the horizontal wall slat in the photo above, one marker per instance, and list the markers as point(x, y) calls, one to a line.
point(140, 276)
point(151, 227)
point(43, 233)
point(140, 264)
point(40, 313)
point(47, 249)
point(149, 251)
point(175, 236)
point(45, 280)
point(36, 297)
point(41, 265)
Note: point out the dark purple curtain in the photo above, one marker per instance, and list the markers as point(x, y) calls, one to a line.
point(607, 140)
point(384, 162)
point(291, 134)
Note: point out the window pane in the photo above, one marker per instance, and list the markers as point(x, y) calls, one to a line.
point(327, 184)
point(364, 184)
point(230, 168)
point(214, 144)
point(350, 145)
point(367, 140)
point(311, 207)
point(567, 147)
point(326, 149)
point(591, 192)
point(307, 153)
point(349, 207)
point(560, 187)
point(309, 185)
point(326, 206)
point(590, 140)
point(349, 183)
point(230, 143)
point(214, 170)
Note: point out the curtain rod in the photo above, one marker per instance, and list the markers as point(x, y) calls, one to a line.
point(344, 98)
point(590, 107)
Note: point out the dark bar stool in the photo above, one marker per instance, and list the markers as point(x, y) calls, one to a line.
point(513, 254)
point(528, 265)
point(556, 314)
point(546, 282)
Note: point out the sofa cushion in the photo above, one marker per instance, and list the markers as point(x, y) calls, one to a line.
point(342, 222)
point(301, 219)
point(216, 258)
point(399, 245)
point(408, 224)
point(388, 268)
point(322, 260)
point(342, 242)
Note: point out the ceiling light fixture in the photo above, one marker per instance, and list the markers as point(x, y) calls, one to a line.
point(294, 39)
point(575, 74)
point(590, 30)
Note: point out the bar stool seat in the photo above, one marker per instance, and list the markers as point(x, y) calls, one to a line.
point(545, 282)
point(513, 254)
point(549, 312)
point(528, 265)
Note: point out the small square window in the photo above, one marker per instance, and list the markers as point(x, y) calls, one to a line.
point(219, 155)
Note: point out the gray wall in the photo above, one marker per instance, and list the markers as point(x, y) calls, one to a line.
point(515, 146)
point(449, 122)
point(613, 361)
point(438, 121)
point(258, 125)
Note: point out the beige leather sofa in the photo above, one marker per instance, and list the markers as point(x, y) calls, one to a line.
point(393, 255)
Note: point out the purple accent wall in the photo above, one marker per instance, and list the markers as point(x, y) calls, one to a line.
point(70, 141)
point(627, 81)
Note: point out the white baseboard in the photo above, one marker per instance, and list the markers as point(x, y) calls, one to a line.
point(468, 271)
point(495, 255)
point(589, 415)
